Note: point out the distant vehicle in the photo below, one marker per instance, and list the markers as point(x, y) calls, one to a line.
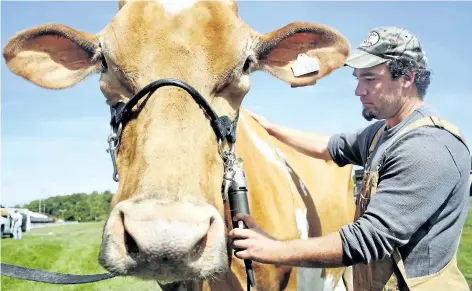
point(41, 219)
point(5, 225)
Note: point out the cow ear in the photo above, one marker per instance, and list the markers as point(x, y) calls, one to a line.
point(53, 56)
point(301, 53)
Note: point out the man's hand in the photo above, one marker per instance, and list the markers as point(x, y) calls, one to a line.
point(254, 243)
point(251, 223)
point(309, 143)
point(261, 120)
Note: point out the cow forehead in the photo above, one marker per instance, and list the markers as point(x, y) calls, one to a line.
point(182, 33)
point(175, 7)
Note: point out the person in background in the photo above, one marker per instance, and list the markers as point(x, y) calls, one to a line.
point(17, 222)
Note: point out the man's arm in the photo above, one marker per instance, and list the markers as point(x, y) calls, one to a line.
point(319, 252)
point(343, 149)
point(316, 252)
point(417, 177)
point(311, 144)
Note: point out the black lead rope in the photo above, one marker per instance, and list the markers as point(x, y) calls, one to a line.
point(50, 277)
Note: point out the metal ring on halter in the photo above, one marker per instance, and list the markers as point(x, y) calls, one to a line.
point(115, 136)
point(113, 146)
point(224, 154)
point(232, 148)
point(118, 132)
point(221, 149)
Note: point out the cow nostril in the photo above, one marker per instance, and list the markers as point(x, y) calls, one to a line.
point(203, 242)
point(130, 244)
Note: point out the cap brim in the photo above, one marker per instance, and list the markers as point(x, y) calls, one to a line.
point(360, 59)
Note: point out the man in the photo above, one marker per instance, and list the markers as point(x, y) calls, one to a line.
point(17, 221)
point(416, 164)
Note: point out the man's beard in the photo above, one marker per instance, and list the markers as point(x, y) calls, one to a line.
point(368, 114)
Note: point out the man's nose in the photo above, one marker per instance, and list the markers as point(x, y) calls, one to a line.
point(360, 90)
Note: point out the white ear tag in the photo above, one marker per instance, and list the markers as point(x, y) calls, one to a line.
point(305, 65)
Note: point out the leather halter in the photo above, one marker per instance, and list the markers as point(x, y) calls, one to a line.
point(224, 128)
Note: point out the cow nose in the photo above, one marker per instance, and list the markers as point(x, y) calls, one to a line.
point(163, 238)
point(156, 236)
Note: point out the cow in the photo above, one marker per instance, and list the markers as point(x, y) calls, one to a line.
point(167, 220)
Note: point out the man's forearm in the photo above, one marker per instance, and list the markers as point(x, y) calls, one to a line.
point(316, 252)
point(311, 144)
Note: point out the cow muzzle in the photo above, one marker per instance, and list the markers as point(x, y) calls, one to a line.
point(164, 241)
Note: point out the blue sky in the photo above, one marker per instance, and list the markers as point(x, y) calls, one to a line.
point(53, 142)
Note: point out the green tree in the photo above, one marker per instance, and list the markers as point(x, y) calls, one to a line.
point(87, 207)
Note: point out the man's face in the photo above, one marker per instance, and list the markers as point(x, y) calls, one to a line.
point(381, 96)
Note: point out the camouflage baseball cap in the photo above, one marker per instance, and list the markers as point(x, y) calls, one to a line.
point(386, 43)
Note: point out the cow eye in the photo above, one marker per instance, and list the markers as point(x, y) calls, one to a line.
point(248, 65)
point(104, 64)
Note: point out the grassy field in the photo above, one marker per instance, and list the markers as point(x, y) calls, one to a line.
point(71, 249)
point(464, 256)
point(74, 249)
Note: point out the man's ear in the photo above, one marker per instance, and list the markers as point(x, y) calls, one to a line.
point(408, 79)
point(53, 56)
point(301, 53)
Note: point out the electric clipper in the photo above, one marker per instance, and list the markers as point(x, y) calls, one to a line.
point(238, 202)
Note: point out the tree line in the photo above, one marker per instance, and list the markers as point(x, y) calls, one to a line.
point(74, 207)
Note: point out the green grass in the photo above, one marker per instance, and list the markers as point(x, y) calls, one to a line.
point(71, 249)
point(464, 256)
point(74, 249)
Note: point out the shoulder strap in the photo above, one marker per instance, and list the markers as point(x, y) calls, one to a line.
point(397, 258)
point(376, 138)
point(434, 121)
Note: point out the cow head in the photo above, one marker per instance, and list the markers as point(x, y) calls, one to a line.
point(167, 217)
